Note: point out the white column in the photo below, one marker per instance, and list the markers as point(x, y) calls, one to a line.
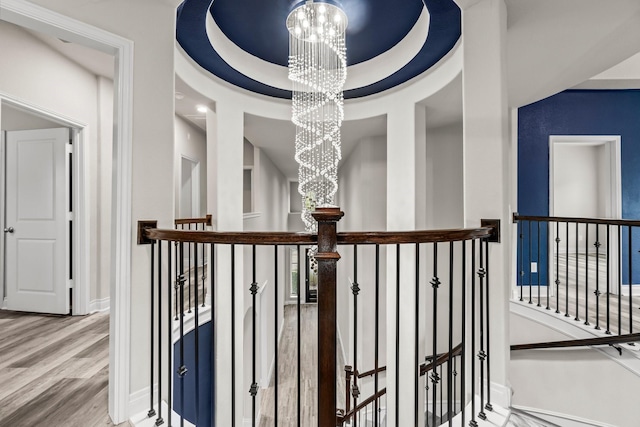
point(406, 139)
point(487, 175)
point(225, 131)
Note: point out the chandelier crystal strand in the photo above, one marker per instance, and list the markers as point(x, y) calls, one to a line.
point(318, 70)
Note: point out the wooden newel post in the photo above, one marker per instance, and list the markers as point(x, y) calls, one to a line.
point(327, 258)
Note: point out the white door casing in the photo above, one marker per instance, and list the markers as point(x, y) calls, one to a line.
point(36, 223)
point(29, 15)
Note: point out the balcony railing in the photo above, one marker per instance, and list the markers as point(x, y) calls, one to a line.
point(581, 268)
point(411, 303)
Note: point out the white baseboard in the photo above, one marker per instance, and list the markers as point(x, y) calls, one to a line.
point(501, 395)
point(99, 305)
point(139, 403)
point(563, 420)
point(635, 289)
point(525, 289)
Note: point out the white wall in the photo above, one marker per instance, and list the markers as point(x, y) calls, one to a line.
point(362, 196)
point(33, 73)
point(152, 155)
point(13, 119)
point(579, 383)
point(581, 185)
point(190, 142)
point(444, 185)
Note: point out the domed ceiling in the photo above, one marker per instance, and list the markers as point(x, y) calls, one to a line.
point(245, 42)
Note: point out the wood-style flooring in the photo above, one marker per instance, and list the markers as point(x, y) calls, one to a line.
point(583, 305)
point(288, 372)
point(54, 370)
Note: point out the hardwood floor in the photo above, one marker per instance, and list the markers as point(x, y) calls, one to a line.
point(54, 370)
point(288, 373)
point(583, 305)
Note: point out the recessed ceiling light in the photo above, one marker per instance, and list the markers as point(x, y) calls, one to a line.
point(179, 95)
point(201, 108)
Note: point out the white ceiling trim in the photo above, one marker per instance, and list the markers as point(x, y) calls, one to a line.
point(358, 75)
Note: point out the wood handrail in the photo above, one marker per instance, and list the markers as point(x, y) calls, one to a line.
point(370, 372)
point(207, 220)
point(288, 238)
point(628, 222)
point(440, 359)
point(586, 342)
point(362, 405)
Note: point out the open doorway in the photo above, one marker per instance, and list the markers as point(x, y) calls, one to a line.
point(35, 18)
point(584, 182)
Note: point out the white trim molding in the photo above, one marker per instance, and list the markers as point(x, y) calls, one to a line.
point(99, 305)
point(29, 15)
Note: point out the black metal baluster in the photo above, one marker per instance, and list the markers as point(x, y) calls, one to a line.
point(473, 422)
point(482, 355)
point(435, 283)
point(233, 335)
point(455, 391)
point(253, 288)
point(189, 271)
point(631, 281)
point(204, 274)
point(529, 266)
point(152, 412)
point(441, 399)
point(488, 406)
point(619, 258)
point(196, 337)
point(577, 318)
point(608, 331)
point(355, 289)
point(463, 329)
point(538, 262)
point(170, 281)
point(275, 333)
point(597, 291)
point(586, 276)
point(397, 367)
point(182, 369)
point(417, 335)
point(557, 267)
point(450, 378)
point(548, 266)
point(377, 330)
point(175, 287)
point(566, 273)
point(521, 273)
point(159, 420)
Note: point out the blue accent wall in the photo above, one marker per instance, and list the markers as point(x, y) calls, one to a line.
point(204, 372)
point(578, 112)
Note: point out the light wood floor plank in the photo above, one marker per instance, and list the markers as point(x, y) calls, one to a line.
point(54, 370)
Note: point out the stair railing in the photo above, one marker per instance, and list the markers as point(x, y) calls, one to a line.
point(194, 370)
point(581, 268)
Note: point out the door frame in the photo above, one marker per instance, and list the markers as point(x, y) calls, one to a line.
point(613, 143)
point(77, 130)
point(29, 15)
point(196, 206)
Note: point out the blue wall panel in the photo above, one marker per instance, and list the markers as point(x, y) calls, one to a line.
point(204, 372)
point(579, 112)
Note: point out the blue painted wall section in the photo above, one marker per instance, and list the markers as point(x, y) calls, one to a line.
point(204, 372)
point(578, 112)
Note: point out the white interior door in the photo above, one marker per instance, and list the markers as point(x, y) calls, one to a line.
point(36, 223)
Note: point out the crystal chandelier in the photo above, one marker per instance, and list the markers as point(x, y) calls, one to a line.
point(318, 70)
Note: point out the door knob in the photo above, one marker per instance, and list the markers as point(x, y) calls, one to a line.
point(8, 230)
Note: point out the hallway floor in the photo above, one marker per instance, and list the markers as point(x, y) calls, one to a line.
point(54, 370)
